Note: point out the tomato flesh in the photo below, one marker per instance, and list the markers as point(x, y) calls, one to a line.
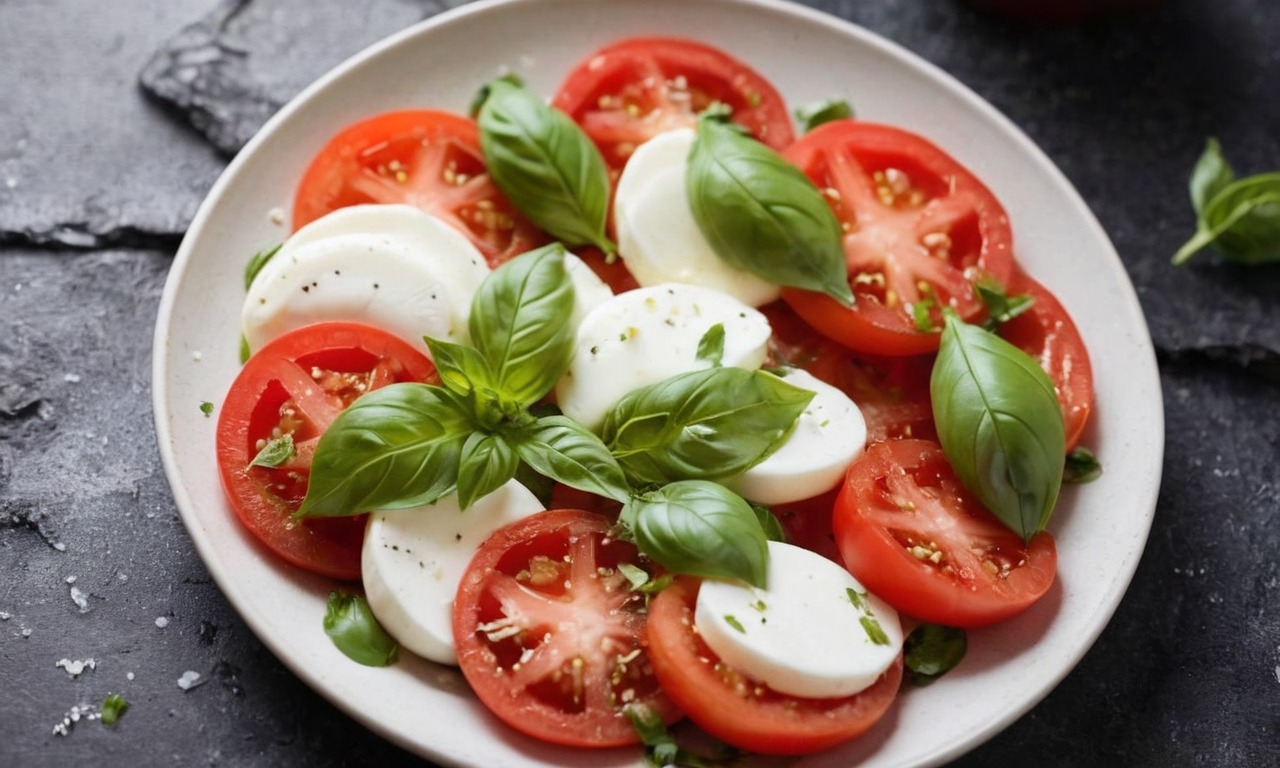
point(297, 385)
point(630, 91)
point(741, 711)
point(425, 158)
point(916, 537)
point(551, 637)
point(920, 231)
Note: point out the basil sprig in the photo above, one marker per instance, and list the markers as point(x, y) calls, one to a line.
point(999, 423)
point(544, 163)
point(410, 444)
point(1240, 218)
point(761, 214)
point(707, 424)
point(699, 528)
point(813, 115)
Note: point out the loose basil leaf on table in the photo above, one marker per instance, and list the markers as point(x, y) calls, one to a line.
point(700, 528)
point(1240, 218)
point(487, 461)
point(560, 448)
point(544, 163)
point(813, 115)
point(999, 423)
point(395, 447)
point(761, 214)
point(113, 708)
point(519, 324)
point(350, 624)
point(707, 424)
point(932, 650)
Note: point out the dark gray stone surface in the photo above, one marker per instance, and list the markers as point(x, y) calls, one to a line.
point(98, 179)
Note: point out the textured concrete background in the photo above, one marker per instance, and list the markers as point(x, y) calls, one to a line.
point(117, 118)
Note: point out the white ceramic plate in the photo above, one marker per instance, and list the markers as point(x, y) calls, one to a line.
point(1101, 528)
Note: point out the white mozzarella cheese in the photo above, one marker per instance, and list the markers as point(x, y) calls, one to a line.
point(589, 291)
point(658, 237)
point(828, 436)
point(413, 560)
point(390, 266)
point(814, 633)
point(643, 336)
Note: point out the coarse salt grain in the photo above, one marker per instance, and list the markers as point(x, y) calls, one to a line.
point(76, 667)
point(189, 680)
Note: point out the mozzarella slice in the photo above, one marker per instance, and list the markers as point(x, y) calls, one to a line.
point(828, 436)
point(589, 291)
point(658, 237)
point(413, 560)
point(643, 336)
point(390, 266)
point(814, 633)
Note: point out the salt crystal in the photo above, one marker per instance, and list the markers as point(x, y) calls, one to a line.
point(26, 632)
point(162, 622)
point(60, 547)
point(70, 579)
point(189, 680)
point(277, 216)
point(197, 355)
point(128, 676)
point(71, 378)
point(80, 599)
point(5, 615)
point(75, 668)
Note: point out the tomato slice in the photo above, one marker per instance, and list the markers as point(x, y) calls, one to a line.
point(740, 711)
point(551, 637)
point(297, 385)
point(891, 392)
point(1046, 332)
point(914, 535)
point(630, 91)
point(920, 231)
point(426, 158)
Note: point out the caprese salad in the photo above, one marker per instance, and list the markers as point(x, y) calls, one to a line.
point(636, 406)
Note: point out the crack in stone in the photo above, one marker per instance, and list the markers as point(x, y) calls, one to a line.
point(1256, 359)
point(17, 514)
point(79, 236)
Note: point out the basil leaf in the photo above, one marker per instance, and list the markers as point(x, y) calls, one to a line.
point(711, 346)
point(245, 352)
point(112, 708)
point(769, 523)
point(703, 529)
point(259, 261)
point(562, 449)
point(545, 164)
point(813, 115)
point(708, 424)
point(351, 625)
point(1081, 467)
point(1001, 307)
point(520, 324)
point(462, 369)
point(1240, 218)
point(762, 215)
point(931, 651)
point(487, 461)
point(1210, 176)
point(393, 448)
point(275, 453)
point(999, 423)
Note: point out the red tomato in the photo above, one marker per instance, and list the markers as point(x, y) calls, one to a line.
point(918, 228)
point(1046, 332)
point(297, 385)
point(615, 274)
point(549, 634)
point(807, 523)
point(892, 392)
point(740, 711)
point(630, 91)
point(912, 534)
point(422, 157)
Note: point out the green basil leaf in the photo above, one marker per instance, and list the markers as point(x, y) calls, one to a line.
point(520, 324)
point(259, 261)
point(662, 750)
point(395, 447)
point(999, 423)
point(1001, 307)
point(545, 164)
point(932, 650)
point(769, 523)
point(486, 463)
point(762, 215)
point(462, 369)
point(1081, 467)
point(351, 625)
point(562, 449)
point(275, 453)
point(703, 529)
point(1210, 176)
point(711, 346)
point(112, 708)
point(813, 115)
point(245, 352)
point(708, 424)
